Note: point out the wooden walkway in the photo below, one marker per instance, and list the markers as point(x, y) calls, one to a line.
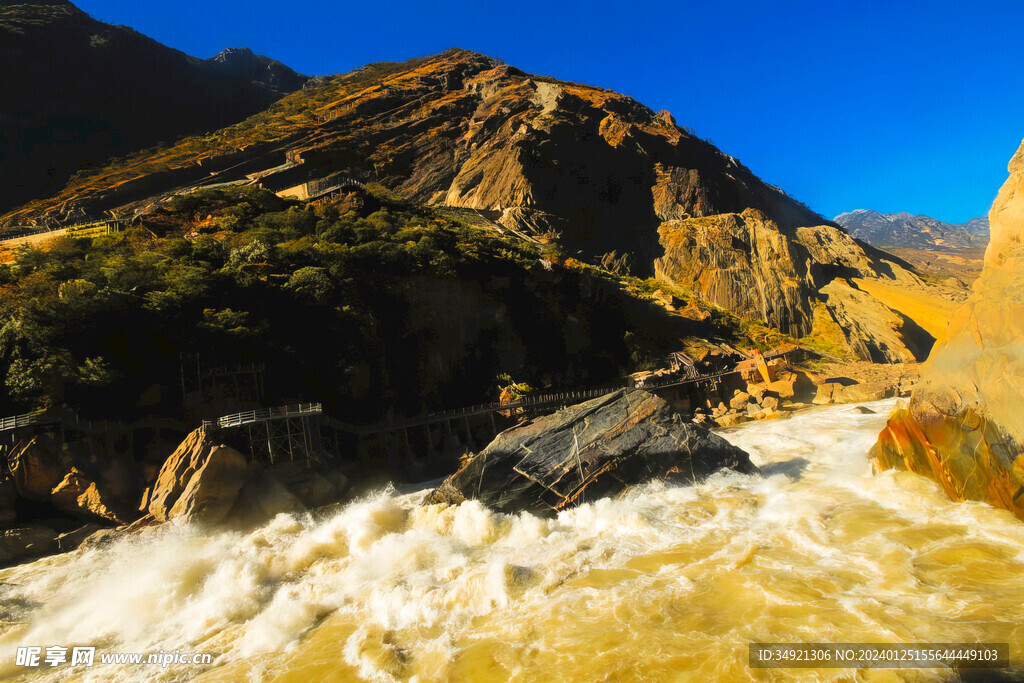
point(28, 234)
point(534, 402)
point(537, 402)
point(303, 430)
point(249, 417)
point(36, 417)
point(73, 422)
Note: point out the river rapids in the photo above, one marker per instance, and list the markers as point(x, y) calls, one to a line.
point(666, 583)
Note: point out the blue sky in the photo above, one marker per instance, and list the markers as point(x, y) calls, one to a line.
point(889, 105)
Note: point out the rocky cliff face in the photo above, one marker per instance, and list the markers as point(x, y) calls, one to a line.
point(750, 265)
point(536, 156)
point(964, 426)
point(76, 91)
point(742, 262)
point(873, 330)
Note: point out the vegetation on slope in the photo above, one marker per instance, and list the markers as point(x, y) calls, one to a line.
point(385, 305)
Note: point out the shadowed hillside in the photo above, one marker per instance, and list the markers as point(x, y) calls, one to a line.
point(76, 92)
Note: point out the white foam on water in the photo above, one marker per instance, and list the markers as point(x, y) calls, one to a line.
point(817, 549)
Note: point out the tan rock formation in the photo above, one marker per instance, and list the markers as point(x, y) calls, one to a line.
point(748, 264)
point(873, 331)
point(859, 392)
point(832, 252)
point(199, 481)
point(964, 426)
point(37, 466)
point(78, 495)
point(211, 491)
point(175, 473)
point(741, 262)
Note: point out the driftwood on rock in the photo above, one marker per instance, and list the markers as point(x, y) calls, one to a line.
point(588, 451)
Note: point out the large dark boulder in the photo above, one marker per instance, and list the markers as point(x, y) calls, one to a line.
point(589, 451)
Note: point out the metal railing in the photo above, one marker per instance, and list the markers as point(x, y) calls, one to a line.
point(324, 194)
point(71, 421)
point(536, 401)
point(307, 409)
point(28, 419)
point(264, 414)
point(115, 224)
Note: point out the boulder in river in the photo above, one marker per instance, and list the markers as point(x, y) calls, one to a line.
point(78, 495)
point(587, 451)
point(964, 426)
point(209, 482)
point(211, 491)
point(200, 480)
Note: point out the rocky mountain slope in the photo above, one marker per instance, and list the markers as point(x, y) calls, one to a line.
point(538, 158)
point(242, 62)
point(76, 92)
point(964, 426)
point(916, 232)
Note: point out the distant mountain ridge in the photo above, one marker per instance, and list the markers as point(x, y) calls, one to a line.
point(75, 92)
point(241, 61)
point(906, 230)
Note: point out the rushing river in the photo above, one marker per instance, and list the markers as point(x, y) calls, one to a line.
point(663, 584)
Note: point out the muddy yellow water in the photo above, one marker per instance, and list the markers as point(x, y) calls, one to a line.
point(663, 584)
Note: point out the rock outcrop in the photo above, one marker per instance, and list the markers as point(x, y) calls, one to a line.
point(741, 262)
point(36, 467)
point(752, 266)
point(41, 472)
point(872, 330)
point(211, 490)
point(199, 481)
point(964, 426)
point(78, 495)
point(588, 451)
point(208, 482)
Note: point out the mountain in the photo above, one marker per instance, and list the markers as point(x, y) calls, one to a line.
point(979, 227)
point(905, 230)
point(270, 73)
point(599, 173)
point(76, 92)
point(464, 130)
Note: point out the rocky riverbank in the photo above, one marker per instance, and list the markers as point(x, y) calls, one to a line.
point(56, 498)
point(793, 389)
